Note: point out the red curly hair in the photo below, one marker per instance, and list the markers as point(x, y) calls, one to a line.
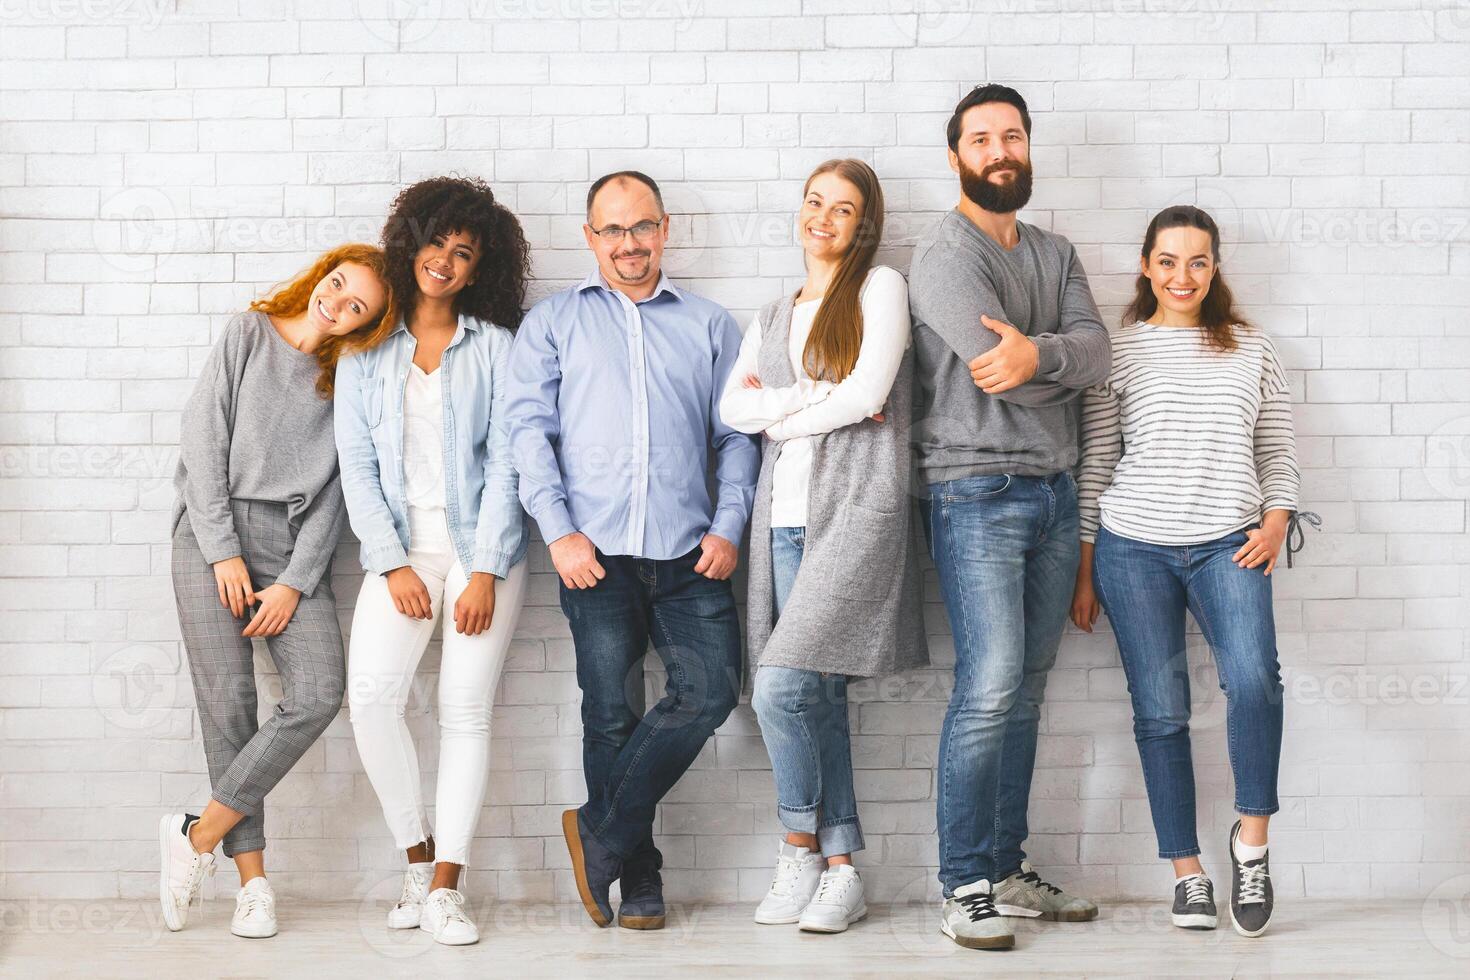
point(290, 300)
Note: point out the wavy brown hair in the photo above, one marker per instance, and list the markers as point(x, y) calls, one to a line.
point(1218, 316)
point(443, 206)
point(290, 299)
point(837, 330)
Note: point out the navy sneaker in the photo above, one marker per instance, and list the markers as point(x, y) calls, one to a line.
point(643, 892)
point(594, 866)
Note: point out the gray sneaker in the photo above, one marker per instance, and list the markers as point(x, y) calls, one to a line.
point(970, 919)
point(1025, 895)
point(1194, 903)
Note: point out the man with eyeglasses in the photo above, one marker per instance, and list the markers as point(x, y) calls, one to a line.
point(612, 412)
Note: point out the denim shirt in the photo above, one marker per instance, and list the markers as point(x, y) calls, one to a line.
point(481, 487)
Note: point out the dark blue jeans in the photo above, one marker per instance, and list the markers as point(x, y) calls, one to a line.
point(1006, 550)
point(630, 758)
point(1145, 589)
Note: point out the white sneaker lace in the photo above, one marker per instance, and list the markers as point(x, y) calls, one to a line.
point(413, 890)
point(199, 869)
point(1253, 878)
point(252, 903)
point(832, 888)
point(1197, 890)
point(788, 872)
point(449, 905)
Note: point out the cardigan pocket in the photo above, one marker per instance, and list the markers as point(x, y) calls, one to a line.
point(862, 573)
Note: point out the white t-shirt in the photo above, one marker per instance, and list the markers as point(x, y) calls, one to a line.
point(792, 415)
point(423, 439)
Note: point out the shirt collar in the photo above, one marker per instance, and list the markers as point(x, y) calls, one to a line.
point(595, 279)
point(466, 323)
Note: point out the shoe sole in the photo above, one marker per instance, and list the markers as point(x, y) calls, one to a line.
point(406, 925)
point(1195, 920)
point(1246, 932)
point(641, 921)
point(252, 935)
point(981, 942)
point(1021, 912)
point(861, 914)
point(579, 865)
point(452, 942)
point(785, 920)
point(171, 918)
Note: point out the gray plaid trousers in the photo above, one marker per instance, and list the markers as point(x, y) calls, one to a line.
point(246, 760)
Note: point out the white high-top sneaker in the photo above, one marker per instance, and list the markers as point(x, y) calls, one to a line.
point(410, 907)
point(255, 910)
point(798, 872)
point(445, 918)
point(181, 869)
point(838, 902)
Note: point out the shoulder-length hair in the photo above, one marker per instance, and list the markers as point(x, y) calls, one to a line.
point(1218, 316)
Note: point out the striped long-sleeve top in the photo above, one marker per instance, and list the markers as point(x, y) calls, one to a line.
point(1185, 443)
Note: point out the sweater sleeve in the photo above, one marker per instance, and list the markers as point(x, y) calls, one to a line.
point(1102, 447)
point(316, 541)
point(863, 392)
point(204, 447)
point(1275, 441)
point(752, 410)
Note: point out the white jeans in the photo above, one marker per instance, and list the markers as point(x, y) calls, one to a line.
point(384, 655)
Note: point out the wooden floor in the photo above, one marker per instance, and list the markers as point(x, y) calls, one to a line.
point(125, 939)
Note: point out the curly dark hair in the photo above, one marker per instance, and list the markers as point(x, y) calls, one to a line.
point(442, 206)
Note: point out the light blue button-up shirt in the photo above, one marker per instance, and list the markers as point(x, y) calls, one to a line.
point(484, 515)
point(614, 408)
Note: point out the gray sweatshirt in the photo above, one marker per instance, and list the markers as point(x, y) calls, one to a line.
point(255, 429)
point(1038, 287)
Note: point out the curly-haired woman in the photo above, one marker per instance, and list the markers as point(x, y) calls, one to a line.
point(432, 495)
point(256, 519)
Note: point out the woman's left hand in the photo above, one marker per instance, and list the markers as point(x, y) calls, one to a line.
point(1263, 544)
point(475, 607)
point(277, 604)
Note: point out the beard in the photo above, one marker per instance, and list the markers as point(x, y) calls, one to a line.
point(998, 198)
point(629, 268)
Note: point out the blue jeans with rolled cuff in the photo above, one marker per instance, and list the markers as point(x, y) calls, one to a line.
point(803, 718)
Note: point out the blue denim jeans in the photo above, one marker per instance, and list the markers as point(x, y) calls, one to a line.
point(630, 758)
point(1006, 551)
point(803, 717)
point(1145, 589)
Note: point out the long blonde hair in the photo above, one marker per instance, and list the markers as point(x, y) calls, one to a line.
point(290, 299)
point(837, 330)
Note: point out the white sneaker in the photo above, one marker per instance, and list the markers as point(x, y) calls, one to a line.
point(410, 907)
point(444, 919)
point(181, 869)
point(255, 910)
point(798, 872)
point(838, 902)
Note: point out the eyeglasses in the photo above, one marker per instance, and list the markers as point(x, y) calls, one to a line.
point(642, 231)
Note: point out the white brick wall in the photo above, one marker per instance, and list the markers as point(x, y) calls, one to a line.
point(161, 163)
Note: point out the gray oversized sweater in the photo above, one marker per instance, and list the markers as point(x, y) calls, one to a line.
point(1038, 287)
point(255, 429)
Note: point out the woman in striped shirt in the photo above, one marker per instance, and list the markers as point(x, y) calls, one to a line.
point(1186, 487)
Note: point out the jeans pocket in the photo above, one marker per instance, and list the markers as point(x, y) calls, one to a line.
point(867, 571)
point(973, 489)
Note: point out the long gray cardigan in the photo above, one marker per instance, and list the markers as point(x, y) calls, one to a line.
point(856, 605)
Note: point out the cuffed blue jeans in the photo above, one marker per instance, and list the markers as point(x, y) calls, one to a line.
point(1145, 590)
point(803, 718)
point(1006, 550)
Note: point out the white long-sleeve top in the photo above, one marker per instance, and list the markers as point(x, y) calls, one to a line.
point(1184, 443)
point(793, 414)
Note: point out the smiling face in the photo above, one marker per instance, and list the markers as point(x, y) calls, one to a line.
point(1180, 268)
point(830, 216)
point(993, 157)
point(632, 258)
point(348, 298)
point(445, 264)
